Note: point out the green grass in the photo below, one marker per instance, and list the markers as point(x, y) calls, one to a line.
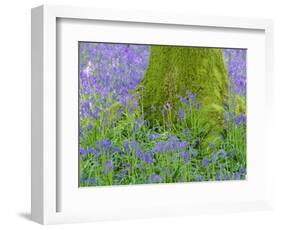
point(122, 149)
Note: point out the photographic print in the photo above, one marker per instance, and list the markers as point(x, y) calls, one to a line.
point(161, 114)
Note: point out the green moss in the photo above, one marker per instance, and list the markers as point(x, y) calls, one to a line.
point(174, 70)
point(240, 105)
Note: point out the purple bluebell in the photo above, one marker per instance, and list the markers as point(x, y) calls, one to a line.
point(132, 109)
point(172, 144)
point(212, 146)
point(154, 178)
point(90, 150)
point(161, 147)
point(214, 157)
point(148, 158)
point(182, 145)
point(235, 60)
point(83, 152)
point(119, 111)
point(205, 162)
point(90, 126)
point(184, 156)
point(137, 150)
point(218, 177)
point(92, 181)
point(240, 120)
point(236, 176)
point(224, 177)
point(108, 165)
point(105, 144)
point(191, 97)
point(126, 146)
point(242, 170)
point(153, 137)
point(182, 99)
point(115, 149)
point(110, 70)
point(166, 170)
point(83, 176)
point(180, 114)
point(222, 152)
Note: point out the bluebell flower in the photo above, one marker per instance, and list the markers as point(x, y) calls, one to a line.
point(154, 178)
point(115, 149)
point(242, 170)
point(90, 150)
point(166, 170)
point(198, 105)
point(83, 176)
point(212, 145)
point(83, 152)
point(182, 99)
point(126, 146)
point(148, 158)
point(236, 176)
point(92, 181)
point(218, 177)
point(184, 156)
point(137, 150)
point(90, 126)
point(214, 157)
point(191, 97)
point(222, 152)
point(161, 147)
point(239, 120)
point(180, 114)
point(205, 162)
point(119, 112)
point(105, 144)
point(153, 137)
point(186, 131)
point(108, 165)
point(183, 145)
point(224, 177)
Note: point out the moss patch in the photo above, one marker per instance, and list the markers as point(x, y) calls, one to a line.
point(174, 70)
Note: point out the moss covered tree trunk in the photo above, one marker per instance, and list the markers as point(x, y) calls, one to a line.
point(174, 70)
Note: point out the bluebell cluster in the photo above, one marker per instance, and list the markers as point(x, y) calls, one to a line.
point(118, 146)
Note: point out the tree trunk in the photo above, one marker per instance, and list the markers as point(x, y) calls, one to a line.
point(174, 70)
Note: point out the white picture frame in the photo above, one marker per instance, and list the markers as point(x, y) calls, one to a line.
point(47, 198)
